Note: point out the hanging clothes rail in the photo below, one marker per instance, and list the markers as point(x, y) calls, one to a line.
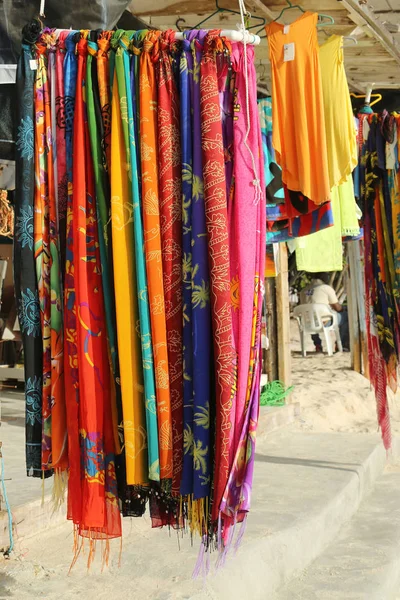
point(231, 34)
point(144, 177)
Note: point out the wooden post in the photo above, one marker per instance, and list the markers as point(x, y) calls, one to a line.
point(271, 355)
point(353, 308)
point(362, 317)
point(283, 317)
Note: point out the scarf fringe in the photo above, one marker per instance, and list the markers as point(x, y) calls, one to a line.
point(60, 483)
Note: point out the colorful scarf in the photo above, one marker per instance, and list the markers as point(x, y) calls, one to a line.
point(143, 299)
point(153, 249)
point(100, 510)
point(43, 178)
point(217, 229)
point(249, 217)
point(186, 66)
point(26, 288)
point(102, 187)
point(126, 296)
point(62, 179)
point(59, 457)
point(170, 182)
point(71, 371)
point(203, 390)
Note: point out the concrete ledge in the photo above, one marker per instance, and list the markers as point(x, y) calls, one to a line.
point(309, 517)
point(275, 417)
point(307, 486)
point(364, 561)
point(30, 519)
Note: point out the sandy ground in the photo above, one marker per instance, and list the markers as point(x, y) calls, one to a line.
point(332, 398)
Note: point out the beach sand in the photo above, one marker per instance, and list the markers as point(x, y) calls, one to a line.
point(332, 397)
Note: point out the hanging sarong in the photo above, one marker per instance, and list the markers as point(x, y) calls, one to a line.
point(62, 179)
point(244, 216)
point(300, 226)
point(249, 207)
point(379, 308)
point(71, 373)
point(171, 226)
point(217, 229)
point(100, 510)
point(128, 326)
point(59, 457)
point(44, 170)
point(272, 171)
point(186, 66)
point(153, 251)
point(103, 76)
point(203, 391)
point(103, 216)
point(143, 299)
point(26, 289)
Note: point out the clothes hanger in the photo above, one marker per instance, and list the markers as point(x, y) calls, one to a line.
point(179, 23)
point(366, 108)
point(321, 23)
point(289, 7)
point(377, 96)
point(349, 38)
point(330, 20)
point(220, 9)
point(263, 90)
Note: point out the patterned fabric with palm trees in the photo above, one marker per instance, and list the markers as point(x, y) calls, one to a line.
point(186, 66)
point(203, 391)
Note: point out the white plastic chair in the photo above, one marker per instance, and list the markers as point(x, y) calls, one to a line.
point(317, 318)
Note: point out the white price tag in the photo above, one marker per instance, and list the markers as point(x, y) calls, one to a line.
point(288, 52)
point(33, 64)
point(286, 29)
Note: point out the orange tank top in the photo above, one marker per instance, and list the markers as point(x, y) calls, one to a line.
point(298, 136)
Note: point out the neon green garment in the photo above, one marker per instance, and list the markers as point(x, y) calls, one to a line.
point(322, 251)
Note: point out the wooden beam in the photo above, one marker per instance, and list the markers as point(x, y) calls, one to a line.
point(264, 10)
point(283, 317)
point(364, 16)
point(355, 86)
point(170, 7)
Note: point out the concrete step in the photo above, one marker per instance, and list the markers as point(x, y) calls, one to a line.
point(307, 486)
point(364, 560)
point(30, 514)
point(273, 418)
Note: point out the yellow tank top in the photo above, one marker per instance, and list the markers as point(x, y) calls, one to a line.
point(339, 120)
point(299, 137)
